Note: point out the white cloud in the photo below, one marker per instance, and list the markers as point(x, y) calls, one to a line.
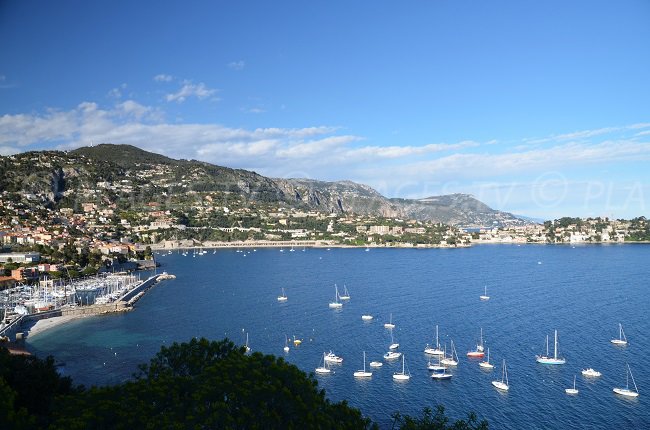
point(237, 65)
point(253, 110)
point(328, 153)
point(116, 93)
point(163, 78)
point(200, 91)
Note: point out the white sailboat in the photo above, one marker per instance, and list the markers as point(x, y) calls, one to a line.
point(390, 324)
point(486, 364)
point(282, 297)
point(572, 390)
point(627, 391)
point(434, 350)
point(546, 359)
point(622, 340)
point(363, 373)
point(393, 344)
point(324, 369)
point(248, 349)
point(503, 383)
point(286, 343)
point(485, 296)
point(366, 317)
point(346, 294)
point(439, 371)
point(441, 375)
point(336, 304)
point(479, 351)
point(403, 375)
point(452, 360)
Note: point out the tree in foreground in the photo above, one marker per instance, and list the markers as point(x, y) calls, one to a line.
point(437, 421)
point(209, 385)
point(195, 385)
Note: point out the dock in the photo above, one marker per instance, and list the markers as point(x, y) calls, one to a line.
point(122, 304)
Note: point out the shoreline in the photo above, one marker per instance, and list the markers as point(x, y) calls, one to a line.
point(262, 245)
point(43, 325)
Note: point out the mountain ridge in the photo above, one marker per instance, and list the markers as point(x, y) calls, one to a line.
point(112, 163)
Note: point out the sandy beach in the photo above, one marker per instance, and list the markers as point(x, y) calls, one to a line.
point(43, 325)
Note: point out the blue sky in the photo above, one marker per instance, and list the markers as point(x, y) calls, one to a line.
point(538, 108)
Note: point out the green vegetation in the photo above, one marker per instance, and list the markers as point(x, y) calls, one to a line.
point(195, 385)
point(438, 421)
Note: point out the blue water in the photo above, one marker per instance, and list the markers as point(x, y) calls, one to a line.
point(583, 292)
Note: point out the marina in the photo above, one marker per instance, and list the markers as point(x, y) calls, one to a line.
point(421, 289)
point(25, 305)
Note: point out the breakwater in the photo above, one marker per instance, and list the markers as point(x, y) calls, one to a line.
point(125, 303)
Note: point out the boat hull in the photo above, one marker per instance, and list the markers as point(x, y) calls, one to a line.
point(626, 392)
point(362, 374)
point(550, 360)
point(500, 385)
point(441, 376)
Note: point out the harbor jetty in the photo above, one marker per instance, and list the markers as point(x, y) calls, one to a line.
point(14, 326)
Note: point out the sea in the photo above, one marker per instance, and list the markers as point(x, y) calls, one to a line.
point(583, 292)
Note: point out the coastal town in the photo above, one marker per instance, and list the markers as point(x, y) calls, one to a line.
point(68, 243)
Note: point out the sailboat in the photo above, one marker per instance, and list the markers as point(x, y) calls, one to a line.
point(503, 383)
point(622, 340)
point(363, 373)
point(286, 343)
point(324, 369)
point(435, 350)
point(572, 390)
point(452, 360)
point(393, 344)
point(246, 346)
point(390, 324)
point(439, 371)
point(546, 359)
point(282, 297)
point(336, 304)
point(346, 294)
point(486, 364)
point(403, 375)
point(485, 296)
point(478, 352)
point(366, 317)
point(626, 391)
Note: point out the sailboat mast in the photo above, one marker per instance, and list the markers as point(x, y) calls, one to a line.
point(555, 346)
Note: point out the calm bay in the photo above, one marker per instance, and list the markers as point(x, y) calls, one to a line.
point(584, 292)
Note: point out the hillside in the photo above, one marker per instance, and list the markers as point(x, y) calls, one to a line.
point(114, 172)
